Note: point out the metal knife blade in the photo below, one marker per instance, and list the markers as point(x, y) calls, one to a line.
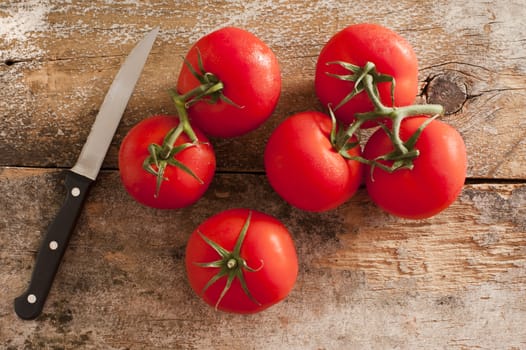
point(79, 179)
point(112, 108)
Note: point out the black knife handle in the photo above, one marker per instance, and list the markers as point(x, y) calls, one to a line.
point(29, 305)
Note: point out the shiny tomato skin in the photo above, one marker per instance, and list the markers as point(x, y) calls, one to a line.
point(359, 44)
point(303, 167)
point(180, 189)
point(251, 76)
point(436, 179)
point(268, 248)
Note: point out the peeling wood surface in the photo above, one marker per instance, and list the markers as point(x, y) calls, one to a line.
point(58, 61)
point(367, 280)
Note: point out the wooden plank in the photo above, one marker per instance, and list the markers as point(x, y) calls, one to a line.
point(57, 61)
point(367, 280)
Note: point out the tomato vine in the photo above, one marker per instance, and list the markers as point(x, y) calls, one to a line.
point(161, 156)
point(366, 79)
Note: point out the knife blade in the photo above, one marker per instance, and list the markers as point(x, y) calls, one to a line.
point(79, 178)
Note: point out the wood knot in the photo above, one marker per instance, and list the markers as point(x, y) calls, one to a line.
point(448, 89)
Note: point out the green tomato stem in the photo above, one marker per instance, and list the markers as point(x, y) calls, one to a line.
point(372, 91)
point(231, 263)
point(182, 113)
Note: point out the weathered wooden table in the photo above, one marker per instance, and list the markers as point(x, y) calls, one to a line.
point(367, 280)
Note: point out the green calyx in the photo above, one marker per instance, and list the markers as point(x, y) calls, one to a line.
point(211, 88)
point(366, 79)
point(358, 76)
point(230, 264)
point(162, 156)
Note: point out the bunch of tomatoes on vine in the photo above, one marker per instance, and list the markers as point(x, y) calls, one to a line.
point(242, 260)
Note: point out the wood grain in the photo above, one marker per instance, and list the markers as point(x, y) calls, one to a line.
point(367, 280)
point(58, 76)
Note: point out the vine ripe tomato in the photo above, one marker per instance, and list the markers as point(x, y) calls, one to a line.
point(251, 80)
point(241, 260)
point(358, 44)
point(304, 167)
point(179, 188)
point(437, 176)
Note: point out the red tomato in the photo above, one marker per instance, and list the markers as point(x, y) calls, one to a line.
point(267, 249)
point(358, 44)
point(434, 182)
point(304, 168)
point(179, 189)
point(251, 76)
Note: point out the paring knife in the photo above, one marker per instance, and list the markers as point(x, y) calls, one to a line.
point(79, 179)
